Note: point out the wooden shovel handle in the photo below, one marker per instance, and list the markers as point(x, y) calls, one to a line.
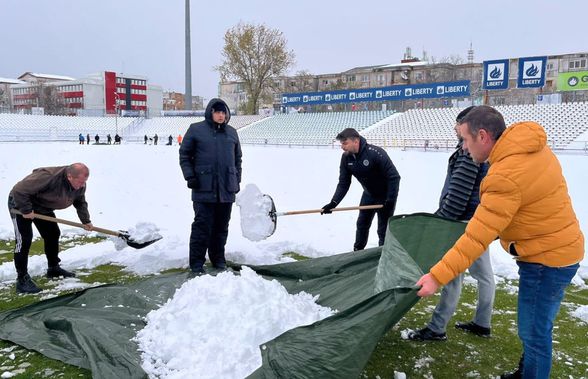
point(360, 207)
point(70, 223)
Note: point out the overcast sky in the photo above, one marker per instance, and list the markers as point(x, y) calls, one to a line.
point(146, 37)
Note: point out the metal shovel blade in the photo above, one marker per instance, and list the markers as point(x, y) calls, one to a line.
point(273, 215)
point(132, 243)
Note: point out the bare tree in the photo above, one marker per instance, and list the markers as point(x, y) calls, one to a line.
point(4, 103)
point(254, 54)
point(51, 99)
point(453, 59)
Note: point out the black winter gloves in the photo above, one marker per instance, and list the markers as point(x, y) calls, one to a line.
point(192, 183)
point(327, 209)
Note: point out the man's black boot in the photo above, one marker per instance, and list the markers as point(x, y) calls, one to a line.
point(24, 284)
point(518, 374)
point(57, 271)
point(472, 327)
point(426, 334)
point(197, 271)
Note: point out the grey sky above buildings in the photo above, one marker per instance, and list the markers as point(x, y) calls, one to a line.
point(146, 37)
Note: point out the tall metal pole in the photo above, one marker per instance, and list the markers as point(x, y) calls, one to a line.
point(188, 95)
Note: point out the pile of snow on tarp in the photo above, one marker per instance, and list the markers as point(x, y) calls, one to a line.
point(213, 326)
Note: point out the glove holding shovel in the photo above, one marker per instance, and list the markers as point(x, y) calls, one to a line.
point(328, 208)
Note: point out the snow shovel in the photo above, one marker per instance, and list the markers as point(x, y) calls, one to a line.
point(259, 217)
point(124, 235)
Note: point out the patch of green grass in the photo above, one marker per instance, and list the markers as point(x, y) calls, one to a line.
point(295, 255)
point(30, 364)
point(7, 247)
point(465, 355)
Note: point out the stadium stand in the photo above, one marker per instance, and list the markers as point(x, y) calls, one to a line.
point(563, 123)
point(163, 126)
point(17, 127)
point(172, 126)
point(566, 126)
point(308, 128)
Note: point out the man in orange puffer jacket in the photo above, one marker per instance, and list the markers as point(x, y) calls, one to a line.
point(524, 201)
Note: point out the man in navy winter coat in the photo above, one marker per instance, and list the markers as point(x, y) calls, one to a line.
point(380, 180)
point(210, 158)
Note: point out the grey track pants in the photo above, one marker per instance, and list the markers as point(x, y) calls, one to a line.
point(481, 270)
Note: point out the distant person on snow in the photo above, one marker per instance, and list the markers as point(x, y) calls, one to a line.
point(108, 139)
point(88, 139)
point(380, 180)
point(155, 138)
point(43, 191)
point(170, 140)
point(117, 139)
point(81, 138)
point(146, 139)
point(179, 139)
point(210, 158)
point(97, 139)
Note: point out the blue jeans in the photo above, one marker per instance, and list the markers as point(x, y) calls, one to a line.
point(541, 290)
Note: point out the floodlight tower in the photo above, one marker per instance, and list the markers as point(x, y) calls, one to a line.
point(188, 95)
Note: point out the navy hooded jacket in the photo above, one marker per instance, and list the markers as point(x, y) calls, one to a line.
point(211, 154)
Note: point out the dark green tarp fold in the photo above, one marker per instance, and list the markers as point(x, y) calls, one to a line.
point(371, 290)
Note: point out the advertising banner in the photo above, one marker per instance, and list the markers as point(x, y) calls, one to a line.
point(572, 81)
point(531, 72)
point(496, 74)
point(393, 93)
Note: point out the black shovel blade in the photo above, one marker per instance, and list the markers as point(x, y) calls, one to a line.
point(132, 243)
point(272, 214)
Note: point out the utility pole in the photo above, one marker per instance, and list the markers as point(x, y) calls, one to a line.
point(116, 106)
point(188, 95)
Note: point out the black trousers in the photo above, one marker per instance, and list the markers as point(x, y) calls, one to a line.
point(23, 233)
point(210, 230)
point(364, 222)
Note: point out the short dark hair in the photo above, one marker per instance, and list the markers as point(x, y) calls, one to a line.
point(348, 133)
point(487, 118)
point(463, 113)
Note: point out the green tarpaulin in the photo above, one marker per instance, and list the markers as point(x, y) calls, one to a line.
point(371, 290)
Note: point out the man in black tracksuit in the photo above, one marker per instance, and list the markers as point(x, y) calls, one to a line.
point(43, 191)
point(380, 180)
point(210, 158)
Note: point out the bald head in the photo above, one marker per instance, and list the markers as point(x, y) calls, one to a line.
point(77, 174)
point(77, 169)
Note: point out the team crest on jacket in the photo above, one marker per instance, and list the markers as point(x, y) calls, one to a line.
point(366, 162)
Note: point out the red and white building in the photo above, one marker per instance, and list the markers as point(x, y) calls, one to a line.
point(101, 94)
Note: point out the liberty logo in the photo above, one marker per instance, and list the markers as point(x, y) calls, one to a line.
point(532, 71)
point(284, 100)
point(496, 73)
